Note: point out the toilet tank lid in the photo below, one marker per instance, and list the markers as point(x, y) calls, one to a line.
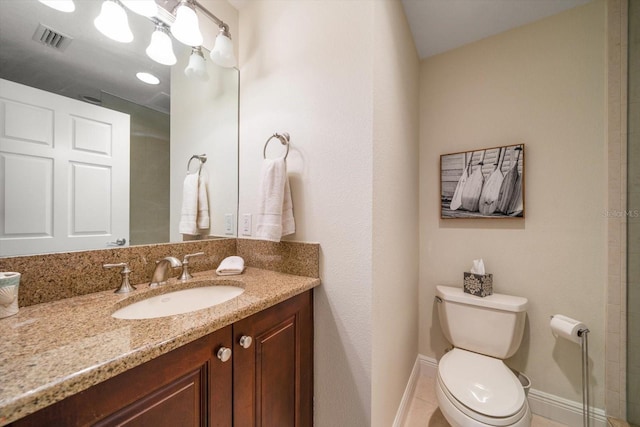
point(496, 301)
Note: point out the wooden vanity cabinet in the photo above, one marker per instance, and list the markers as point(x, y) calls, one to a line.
point(188, 386)
point(268, 383)
point(273, 376)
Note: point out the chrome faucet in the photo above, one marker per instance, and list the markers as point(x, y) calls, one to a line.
point(161, 273)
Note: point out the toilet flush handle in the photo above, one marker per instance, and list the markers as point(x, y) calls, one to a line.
point(438, 300)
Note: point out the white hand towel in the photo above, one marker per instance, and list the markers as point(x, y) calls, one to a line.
point(288, 222)
point(230, 266)
point(195, 204)
point(189, 210)
point(203, 201)
point(275, 208)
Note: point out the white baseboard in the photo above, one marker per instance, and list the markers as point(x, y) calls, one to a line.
point(405, 403)
point(428, 366)
point(563, 410)
point(546, 405)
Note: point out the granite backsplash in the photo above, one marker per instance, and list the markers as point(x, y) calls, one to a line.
point(51, 277)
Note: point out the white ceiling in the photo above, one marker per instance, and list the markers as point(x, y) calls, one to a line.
point(441, 25)
point(93, 64)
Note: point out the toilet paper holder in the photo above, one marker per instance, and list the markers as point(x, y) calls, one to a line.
point(581, 331)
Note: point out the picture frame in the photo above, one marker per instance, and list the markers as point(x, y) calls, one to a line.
point(484, 183)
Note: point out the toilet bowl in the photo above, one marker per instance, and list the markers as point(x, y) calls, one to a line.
point(474, 387)
point(474, 390)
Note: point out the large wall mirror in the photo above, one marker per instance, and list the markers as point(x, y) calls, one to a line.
point(93, 79)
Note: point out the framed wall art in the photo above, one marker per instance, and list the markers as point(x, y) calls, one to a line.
point(486, 183)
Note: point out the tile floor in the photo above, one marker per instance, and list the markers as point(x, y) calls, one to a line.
point(424, 411)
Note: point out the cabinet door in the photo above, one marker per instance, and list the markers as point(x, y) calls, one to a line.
point(273, 377)
point(189, 386)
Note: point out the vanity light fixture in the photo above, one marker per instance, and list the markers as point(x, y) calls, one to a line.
point(113, 22)
point(147, 8)
point(61, 5)
point(197, 67)
point(161, 48)
point(182, 24)
point(186, 28)
point(222, 53)
point(148, 78)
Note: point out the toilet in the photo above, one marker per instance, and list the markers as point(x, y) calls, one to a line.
point(474, 387)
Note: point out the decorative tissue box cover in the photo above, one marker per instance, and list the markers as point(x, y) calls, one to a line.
point(9, 285)
point(478, 284)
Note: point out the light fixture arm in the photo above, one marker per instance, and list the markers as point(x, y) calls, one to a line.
point(168, 17)
point(213, 17)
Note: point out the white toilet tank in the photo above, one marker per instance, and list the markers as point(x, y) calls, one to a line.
point(492, 325)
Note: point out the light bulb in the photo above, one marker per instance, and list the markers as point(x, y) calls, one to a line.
point(160, 48)
point(222, 53)
point(61, 5)
point(197, 67)
point(146, 8)
point(113, 22)
point(185, 28)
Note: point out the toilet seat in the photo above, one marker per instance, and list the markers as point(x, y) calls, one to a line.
point(481, 387)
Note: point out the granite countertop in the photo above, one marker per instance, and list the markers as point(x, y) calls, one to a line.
point(53, 350)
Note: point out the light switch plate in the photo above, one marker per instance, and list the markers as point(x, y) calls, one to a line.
point(228, 224)
point(246, 225)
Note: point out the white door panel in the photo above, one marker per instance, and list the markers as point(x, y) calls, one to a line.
point(64, 177)
point(91, 136)
point(90, 199)
point(28, 195)
point(28, 123)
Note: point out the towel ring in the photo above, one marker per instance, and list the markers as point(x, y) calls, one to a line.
point(284, 140)
point(202, 158)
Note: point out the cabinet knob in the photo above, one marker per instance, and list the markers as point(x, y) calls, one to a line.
point(245, 341)
point(224, 354)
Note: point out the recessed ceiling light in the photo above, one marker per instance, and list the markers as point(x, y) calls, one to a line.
point(148, 78)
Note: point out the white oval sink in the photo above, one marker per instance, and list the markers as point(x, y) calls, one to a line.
point(178, 302)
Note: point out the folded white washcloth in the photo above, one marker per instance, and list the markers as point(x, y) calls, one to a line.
point(189, 210)
point(230, 266)
point(275, 207)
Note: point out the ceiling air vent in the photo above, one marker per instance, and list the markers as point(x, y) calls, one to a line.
point(51, 38)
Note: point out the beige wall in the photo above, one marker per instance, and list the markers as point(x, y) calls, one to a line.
point(395, 209)
point(541, 85)
point(306, 69)
point(309, 68)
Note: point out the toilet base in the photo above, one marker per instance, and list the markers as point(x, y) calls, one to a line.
point(458, 419)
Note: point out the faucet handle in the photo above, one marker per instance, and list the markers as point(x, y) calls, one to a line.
point(186, 257)
point(125, 286)
point(185, 266)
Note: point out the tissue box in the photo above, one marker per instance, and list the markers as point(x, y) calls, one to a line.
point(9, 285)
point(478, 284)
